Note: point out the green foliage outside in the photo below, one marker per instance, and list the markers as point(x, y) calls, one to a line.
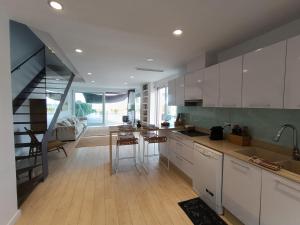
point(83, 109)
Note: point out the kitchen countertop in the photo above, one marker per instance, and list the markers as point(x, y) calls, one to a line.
point(230, 149)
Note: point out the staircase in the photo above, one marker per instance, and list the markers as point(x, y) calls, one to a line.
point(37, 107)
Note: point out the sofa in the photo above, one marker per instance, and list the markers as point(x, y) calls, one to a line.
point(69, 129)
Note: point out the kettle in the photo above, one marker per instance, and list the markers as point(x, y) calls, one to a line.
point(216, 133)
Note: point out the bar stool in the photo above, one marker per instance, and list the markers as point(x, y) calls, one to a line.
point(150, 136)
point(126, 137)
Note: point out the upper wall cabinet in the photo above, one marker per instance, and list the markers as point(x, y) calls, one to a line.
point(193, 85)
point(179, 93)
point(292, 77)
point(231, 73)
point(172, 92)
point(211, 86)
point(263, 77)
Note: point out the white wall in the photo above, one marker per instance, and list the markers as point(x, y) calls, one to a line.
point(8, 194)
point(276, 35)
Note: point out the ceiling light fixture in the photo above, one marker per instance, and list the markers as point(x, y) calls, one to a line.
point(131, 77)
point(125, 83)
point(78, 50)
point(257, 50)
point(245, 70)
point(150, 60)
point(57, 79)
point(55, 5)
point(92, 81)
point(89, 74)
point(177, 32)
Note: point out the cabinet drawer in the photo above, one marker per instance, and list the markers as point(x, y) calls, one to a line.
point(241, 190)
point(182, 164)
point(280, 200)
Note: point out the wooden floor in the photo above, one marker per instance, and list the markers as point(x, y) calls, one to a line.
point(80, 191)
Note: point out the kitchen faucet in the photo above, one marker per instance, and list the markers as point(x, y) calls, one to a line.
point(296, 151)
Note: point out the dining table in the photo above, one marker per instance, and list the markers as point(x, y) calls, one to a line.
point(115, 130)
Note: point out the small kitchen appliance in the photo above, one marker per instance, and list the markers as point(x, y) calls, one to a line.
point(216, 133)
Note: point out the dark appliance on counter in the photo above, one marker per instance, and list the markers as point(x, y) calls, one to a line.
point(216, 133)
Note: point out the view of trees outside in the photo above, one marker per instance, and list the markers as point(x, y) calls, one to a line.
point(92, 111)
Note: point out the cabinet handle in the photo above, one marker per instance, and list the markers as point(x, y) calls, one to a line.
point(179, 158)
point(238, 164)
point(288, 186)
point(208, 156)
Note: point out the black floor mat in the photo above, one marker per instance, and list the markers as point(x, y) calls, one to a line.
point(200, 213)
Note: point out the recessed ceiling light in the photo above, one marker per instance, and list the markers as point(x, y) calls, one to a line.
point(150, 60)
point(125, 83)
point(89, 73)
point(245, 70)
point(257, 50)
point(199, 81)
point(78, 50)
point(57, 79)
point(92, 81)
point(131, 77)
point(55, 5)
point(177, 32)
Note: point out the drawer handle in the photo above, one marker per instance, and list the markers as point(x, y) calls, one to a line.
point(288, 186)
point(179, 158)
point(238, 164)
point(208, 156)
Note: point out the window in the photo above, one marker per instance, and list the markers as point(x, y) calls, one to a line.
point(165, 112)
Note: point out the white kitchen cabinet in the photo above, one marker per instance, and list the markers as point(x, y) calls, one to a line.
point(231, 74)
point(211, 87)
point(172, 92)
point(164, 147)
point(292, 77)
point(263, 77)
point(280, 200)
point(194, 85)
point(179, 93)
point(241, 190)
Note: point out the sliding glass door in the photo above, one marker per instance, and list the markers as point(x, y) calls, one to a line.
point(91, 107)
point(116, 104)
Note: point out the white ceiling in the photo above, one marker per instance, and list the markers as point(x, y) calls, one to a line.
point(119, 35)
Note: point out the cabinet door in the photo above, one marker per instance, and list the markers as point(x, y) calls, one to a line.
point(292, 77)
point(193, 85)
point(263, 77)
point(241, 190)
point(164, 147)
point(211, 86)
point(172, 92)
point(280, 200)
point(179, 91)
point(231, 73)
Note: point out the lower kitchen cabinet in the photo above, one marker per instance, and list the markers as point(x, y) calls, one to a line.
point(280, 201)
point(242, 190)
point(181, 156)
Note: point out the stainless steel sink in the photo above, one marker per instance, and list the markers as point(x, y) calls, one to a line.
point(264, 154)
point(291, 165)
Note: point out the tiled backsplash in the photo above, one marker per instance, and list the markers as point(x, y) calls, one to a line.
point(263, 123)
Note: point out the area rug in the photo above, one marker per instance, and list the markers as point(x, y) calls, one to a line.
point(200, 213)
point(94, 141)
point(96, 131)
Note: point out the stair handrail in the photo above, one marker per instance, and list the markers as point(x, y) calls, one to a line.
point(26, 60)
point(48, 133)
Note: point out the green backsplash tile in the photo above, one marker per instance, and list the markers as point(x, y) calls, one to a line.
point(263, 123)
